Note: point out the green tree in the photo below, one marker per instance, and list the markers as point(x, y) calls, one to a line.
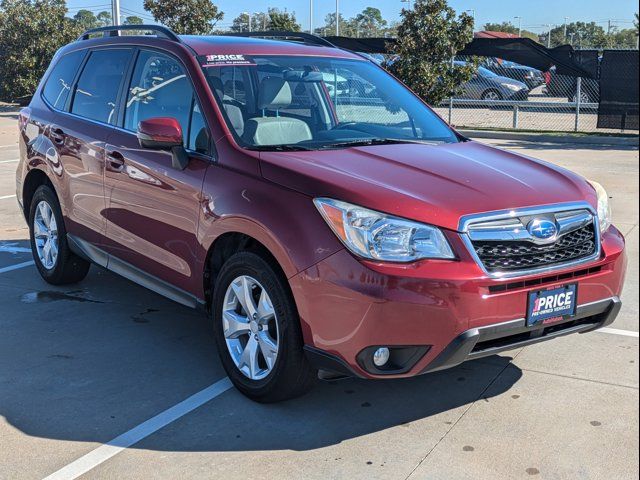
point(505, 27)
point(282, 21)
point(428, 38)
point(133, 20)
point(579, 34)
point(370, 22)
point(85, 19)
point(346, 27)
point(104, 19)
point(186, 17)
point(31, 31)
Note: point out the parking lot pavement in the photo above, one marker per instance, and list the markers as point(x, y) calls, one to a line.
point(83, 364)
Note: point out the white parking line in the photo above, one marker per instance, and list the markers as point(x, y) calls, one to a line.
point(615, 331)
point(10, 161)
point(13, 248)
point(115, 446)
point(7, 196)
point(7, 146)
point(16, 267)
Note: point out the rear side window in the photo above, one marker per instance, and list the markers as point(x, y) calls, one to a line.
point(159, 88)
point(56, 90)
point(97, 89)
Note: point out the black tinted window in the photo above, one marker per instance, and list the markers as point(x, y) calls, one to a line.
point(198, 134)
point(97, 88)
point(56, 90)
point(159, 88)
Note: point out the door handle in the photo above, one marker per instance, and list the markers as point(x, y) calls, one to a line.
point(57, 135)
point(115, 161)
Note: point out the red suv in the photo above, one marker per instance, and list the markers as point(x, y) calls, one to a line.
point(326, 218)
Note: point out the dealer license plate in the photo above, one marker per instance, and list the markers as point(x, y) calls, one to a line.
point(546, 305)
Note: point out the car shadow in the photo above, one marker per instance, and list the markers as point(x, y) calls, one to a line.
point(89, 362)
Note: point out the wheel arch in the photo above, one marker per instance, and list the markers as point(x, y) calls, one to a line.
point(34, 179)
point(243, 235)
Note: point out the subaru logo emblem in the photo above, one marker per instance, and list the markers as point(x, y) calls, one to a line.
point(542, 229)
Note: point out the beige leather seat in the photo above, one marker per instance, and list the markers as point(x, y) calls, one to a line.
point(275, 94)
point(234, 112)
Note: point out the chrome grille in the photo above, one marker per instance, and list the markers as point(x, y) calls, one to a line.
point(505, 247)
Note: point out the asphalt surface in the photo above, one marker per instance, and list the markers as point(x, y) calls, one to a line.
point(82, 365)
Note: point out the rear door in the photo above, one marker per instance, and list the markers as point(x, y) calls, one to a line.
point(153, 209)
point(81, 136)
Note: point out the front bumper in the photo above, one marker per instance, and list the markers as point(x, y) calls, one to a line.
point(452, 308)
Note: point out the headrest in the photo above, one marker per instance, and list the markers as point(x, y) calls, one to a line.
point(274, 93)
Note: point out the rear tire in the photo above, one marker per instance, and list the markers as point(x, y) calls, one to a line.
point(57, 264)
point(290, 374)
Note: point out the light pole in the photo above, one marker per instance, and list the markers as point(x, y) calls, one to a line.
point(248, 14)
point(566, 19)
point(311, 17)
point(549, 37)
point(115, 12)
point(519, 25)
point(337, 18)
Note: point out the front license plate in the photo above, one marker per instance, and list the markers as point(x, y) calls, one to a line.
point(551, 304)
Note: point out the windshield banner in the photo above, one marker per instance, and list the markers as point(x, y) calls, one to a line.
point(224, 60)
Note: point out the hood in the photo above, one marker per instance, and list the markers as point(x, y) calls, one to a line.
point(433, 184)
point(509, 81)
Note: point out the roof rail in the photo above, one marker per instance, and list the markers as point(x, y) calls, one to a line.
point(113, 31)
point(301, 37)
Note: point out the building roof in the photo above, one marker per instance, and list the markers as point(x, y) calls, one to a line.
point(490, 34)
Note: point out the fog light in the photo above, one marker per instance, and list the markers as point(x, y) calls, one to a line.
point(381, 356)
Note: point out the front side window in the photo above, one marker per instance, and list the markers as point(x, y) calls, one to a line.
point(56, 90)
point(160, 88)
point(97, 89)
point(306, 103)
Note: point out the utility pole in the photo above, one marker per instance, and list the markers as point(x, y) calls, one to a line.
point(565, 28)
point(115, 12)
point(337, 18)
point(311, 17)
point(519, 26)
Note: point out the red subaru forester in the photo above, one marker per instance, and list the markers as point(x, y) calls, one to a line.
point(327, 219)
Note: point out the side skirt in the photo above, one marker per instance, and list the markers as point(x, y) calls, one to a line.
point(101, 258)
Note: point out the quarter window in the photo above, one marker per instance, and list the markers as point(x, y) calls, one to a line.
point(56, 90)
point(97, 90)
point(160, 88)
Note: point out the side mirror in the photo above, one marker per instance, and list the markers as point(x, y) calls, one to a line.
point(164, 133)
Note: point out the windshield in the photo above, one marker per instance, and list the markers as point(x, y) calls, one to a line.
point(309, 103)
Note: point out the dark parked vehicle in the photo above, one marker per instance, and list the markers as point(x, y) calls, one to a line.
point(567, 87)
point(486, 85)
point(530, 76)
point(342, 231)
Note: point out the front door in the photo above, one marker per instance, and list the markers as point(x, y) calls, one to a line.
point(153, 208)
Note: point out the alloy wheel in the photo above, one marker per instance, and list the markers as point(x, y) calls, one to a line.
point(250, 327)
point(45, 233)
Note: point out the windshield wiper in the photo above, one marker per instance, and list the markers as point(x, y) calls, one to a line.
point(285, 147)
point(365, 142)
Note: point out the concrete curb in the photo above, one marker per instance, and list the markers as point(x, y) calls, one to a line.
point(628, 141)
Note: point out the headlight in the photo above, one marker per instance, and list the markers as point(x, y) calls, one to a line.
point(511, 86)
point(382, 237)
point(604, 208)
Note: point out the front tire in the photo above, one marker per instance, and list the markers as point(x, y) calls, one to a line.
point(257, 331)
point(57, 264)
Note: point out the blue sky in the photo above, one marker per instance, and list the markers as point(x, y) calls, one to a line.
point(535, 14)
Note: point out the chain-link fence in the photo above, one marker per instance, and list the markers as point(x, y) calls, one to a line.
point(507, 95)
